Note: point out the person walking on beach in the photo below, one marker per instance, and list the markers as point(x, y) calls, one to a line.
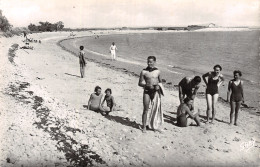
point(150, 80)
point(186, 114)
point(235, 88)
point(82, 61)
point(215, 79)
point(188, 87)
point(113, 50)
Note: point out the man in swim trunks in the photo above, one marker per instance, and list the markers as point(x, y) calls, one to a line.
point(188, 87)
point(186, 115)
point(149, 80)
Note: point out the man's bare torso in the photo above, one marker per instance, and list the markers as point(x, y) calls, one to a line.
point(151, 78)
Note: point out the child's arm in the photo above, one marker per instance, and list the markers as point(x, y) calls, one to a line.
point(103, 101)
point(100, 100)
point(89, 101)
point(114, 103)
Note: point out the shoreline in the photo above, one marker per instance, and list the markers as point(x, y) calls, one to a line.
point(116, 139)
point(170, 86)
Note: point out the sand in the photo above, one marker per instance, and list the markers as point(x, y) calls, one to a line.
point(44, 120)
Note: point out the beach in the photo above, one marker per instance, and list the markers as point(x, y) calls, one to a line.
point(45, 122)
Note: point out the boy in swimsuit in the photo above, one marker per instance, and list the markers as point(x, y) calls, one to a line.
point(235, 88)
point(188, 87)
point(94, 102)
point(215, 79)
point(185, 114)
point(110, 102)
point(149, 80)
point(82, 61)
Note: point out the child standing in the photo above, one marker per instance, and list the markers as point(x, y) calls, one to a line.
point(82, 61)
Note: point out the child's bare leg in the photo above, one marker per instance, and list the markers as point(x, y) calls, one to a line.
point(197, 120)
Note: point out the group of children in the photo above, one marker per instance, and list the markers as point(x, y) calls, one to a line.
point(95, 102)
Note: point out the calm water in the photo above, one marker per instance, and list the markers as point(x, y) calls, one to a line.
point(192, 53)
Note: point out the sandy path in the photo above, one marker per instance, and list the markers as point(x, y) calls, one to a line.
point(73, 132)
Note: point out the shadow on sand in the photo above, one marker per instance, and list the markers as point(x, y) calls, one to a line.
point(124, 121)
point(72, 75)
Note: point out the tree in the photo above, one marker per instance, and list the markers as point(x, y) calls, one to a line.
point(33, 27)
point(60, 25)
point(4, 23)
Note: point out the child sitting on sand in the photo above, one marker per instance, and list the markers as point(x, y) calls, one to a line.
point(186, 114)
point(110, 102)
point(94, 102)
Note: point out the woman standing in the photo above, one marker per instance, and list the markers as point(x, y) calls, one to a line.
point(215, 79)
point(235, 87)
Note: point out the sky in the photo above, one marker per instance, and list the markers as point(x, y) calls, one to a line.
point(132, 13)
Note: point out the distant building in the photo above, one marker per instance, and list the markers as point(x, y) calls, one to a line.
point(212, 25)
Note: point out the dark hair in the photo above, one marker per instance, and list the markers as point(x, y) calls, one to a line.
point(108, 90)
point(81, 47)
point(217, 66)
point(197, 79)
point(237, 71)
point(151, 57)
point(187, 99)
point(113, 43)
point(96, 88)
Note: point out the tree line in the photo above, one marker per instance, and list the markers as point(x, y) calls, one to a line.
point(4, 23)
point(46, 26)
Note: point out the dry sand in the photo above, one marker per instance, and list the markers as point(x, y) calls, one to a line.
point(44, 121)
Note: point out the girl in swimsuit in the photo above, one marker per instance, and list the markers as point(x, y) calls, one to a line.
point(215, 79)
point(235, 87)
point(110, 102)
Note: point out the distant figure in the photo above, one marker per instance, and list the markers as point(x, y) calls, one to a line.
point(110, 102)
point(113, 50)
point(215, 79)
point(150, 80)
point(94, 102)
point(25, 35)
point(235, 87)
point(188, 87)
point(82, 61)
point(186, 115)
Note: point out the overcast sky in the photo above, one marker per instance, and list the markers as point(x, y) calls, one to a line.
point(119, 13)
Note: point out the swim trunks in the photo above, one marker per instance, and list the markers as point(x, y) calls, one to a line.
point(150, 92)
point(182, 120)
point(236, 95)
